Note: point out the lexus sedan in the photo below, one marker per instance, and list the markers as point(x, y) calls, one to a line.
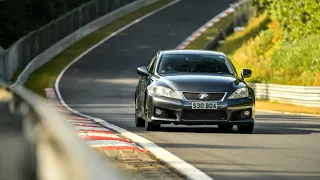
point(193, 87)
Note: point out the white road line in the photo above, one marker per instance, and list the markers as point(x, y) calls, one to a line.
point(108, 142)
point(79, 121)
point(183, 167)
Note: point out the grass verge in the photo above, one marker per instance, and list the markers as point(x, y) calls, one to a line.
point(282, 107)
point(206, 37)
point(45, 76)
point(234, 42)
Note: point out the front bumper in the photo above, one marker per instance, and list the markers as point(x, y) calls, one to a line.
point(180, 112)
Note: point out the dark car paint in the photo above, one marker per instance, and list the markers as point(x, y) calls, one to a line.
point(189, 83)
point(202, 82)
point(175, 104)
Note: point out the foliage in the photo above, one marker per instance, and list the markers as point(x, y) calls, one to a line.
point(255, 54)
point(19, 17)
point(288, 51)
point(234, 41)
point(298, 63)
point(274, 60)
point(297, 18)
point(261, 5)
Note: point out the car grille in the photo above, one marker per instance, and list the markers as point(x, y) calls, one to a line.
point(196, 96)
point(204, 115)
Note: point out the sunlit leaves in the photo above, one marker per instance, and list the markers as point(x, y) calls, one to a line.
point(297, 18)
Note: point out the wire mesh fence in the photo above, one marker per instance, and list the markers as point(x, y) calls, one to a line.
point(21, 53)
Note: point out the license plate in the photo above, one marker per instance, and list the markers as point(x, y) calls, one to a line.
point(204, 105)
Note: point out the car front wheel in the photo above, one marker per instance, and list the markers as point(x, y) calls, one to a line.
point(246, 129)
point(139, 122)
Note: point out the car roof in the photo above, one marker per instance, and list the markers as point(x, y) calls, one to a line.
point(191, 51)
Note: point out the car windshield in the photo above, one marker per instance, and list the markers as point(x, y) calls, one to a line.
point(190, 63)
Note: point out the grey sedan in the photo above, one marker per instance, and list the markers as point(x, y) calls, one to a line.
point(193, 87)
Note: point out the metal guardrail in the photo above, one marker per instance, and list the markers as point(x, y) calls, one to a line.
point(38, 47)
point(243, 11)
point(43, 143)
point(241, 15)
point(28, 47)
point(299, 95)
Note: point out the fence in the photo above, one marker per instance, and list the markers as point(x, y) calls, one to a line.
point(38, 143)
point(20, 54)
point(299, 95)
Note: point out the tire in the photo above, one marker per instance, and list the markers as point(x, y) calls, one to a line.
point(139, 122)
point(150, 126)
point(246, 129)
point(225, 127)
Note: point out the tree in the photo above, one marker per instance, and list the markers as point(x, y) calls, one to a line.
point(297, 18)
point(19, 17)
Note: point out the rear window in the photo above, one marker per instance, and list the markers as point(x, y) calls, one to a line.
point(190, 63)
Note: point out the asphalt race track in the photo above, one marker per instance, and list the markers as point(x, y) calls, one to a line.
point(102, 84)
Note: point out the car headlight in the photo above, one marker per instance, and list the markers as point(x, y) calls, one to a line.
point(165, 92)
point(239, 93)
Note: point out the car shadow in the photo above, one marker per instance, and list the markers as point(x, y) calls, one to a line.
point(265, 124)
point(196, 129)
point(258, 130)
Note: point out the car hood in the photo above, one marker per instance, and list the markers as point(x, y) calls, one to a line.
point(202, 83)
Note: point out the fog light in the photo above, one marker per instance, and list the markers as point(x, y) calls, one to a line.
point(246, 113)
point(158, 111)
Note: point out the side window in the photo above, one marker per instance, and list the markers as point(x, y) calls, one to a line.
point(152, 64)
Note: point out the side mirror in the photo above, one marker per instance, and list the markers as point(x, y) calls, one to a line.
point(143, 71)
point(245, 73)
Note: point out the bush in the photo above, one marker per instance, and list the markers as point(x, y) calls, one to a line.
point(281, 62)
point(256, 55)
point(297, 18)
point(234, 41)
point(289, 51)
point(298, 63)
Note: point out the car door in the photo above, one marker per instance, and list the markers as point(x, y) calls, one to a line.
point(146, 80)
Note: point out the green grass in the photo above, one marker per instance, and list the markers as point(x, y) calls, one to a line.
point(210, 34)
point(235, 41)
point(45, 76)
point(283, 107)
